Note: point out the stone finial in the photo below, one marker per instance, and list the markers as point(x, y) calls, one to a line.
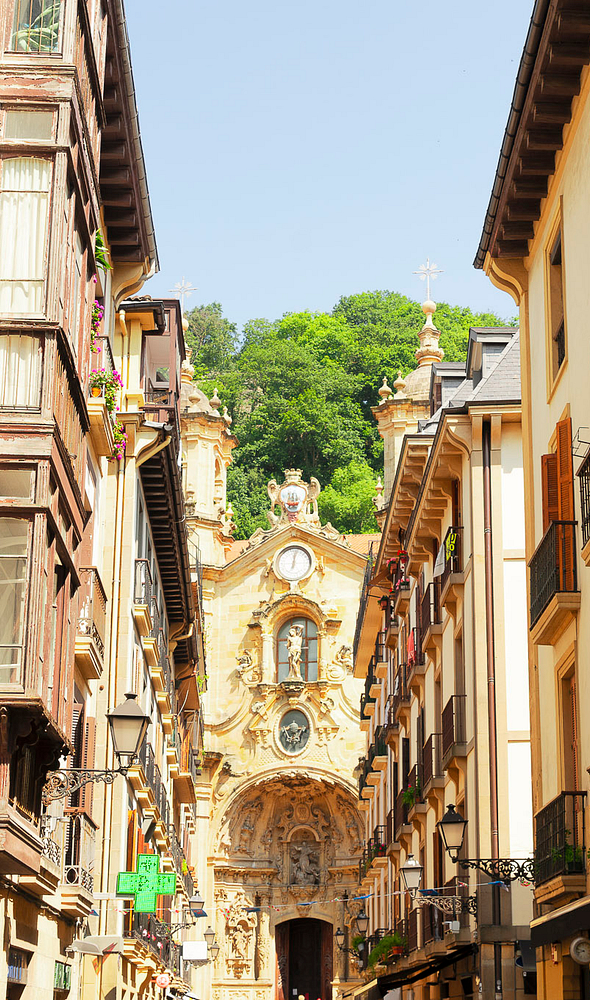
point(385, 391)
point(429, 352)
point(378, 500)
point(227, 417)
point(215, 401)
point(187, 370)
point(399, 385)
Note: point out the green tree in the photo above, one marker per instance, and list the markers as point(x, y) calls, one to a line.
point(212, 338)
point(348, 500)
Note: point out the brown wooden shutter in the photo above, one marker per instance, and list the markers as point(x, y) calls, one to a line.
point(565, 470)
point(88, 762)
point(574, 731)
point(565, 481)
point(549, 490)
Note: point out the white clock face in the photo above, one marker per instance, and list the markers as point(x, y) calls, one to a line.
point(294, 563)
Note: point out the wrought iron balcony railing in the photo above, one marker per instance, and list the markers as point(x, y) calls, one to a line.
point(401, 814)
point(560, 837)
point(381, 648)
point(430, 609)
point(553, 568)
point(453, 554)
point(453, 722)
point(378, 747)
point(157, 936)
point(432, 759)
point(143, 582)
point(92, 608)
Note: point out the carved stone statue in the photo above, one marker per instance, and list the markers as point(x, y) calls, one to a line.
point(305, 865)
point(294, 646)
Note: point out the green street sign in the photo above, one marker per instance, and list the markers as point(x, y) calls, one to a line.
point(146, 884)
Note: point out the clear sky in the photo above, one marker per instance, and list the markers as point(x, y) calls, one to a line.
point(300, 151)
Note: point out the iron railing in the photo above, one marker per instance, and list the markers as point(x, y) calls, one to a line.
point(432, 925)
point(378, 843)
point(363, 602)
point(553, 566)
point(430, 609)
point(155, 617)
point(431, 763)
point(415, 784)
point(143, 582)
point(378, 747)
point(412, 925)
point(453, 722)
point(391, 723)
point(156, 935)
point(389, 827)
point(401, 695)
point(365, 769)
point(154, 780)
point(401, 813)
point(92, 608)
point(453, 555)
point(161, 407)
point(584, 477)
point(381, 648)
point(560, 837)
point(180, 862)
point(104, 349)
point(366, 697)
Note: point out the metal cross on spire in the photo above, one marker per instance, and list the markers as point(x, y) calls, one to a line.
point(183, 288)
point(426, 272)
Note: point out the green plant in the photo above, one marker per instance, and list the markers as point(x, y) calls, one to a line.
point(108, 382)
point(120, 435)
point(101, 254)
point(411, 794)
point(383, 948)
point(357, 940)
point(95, 321)
point(42, 33)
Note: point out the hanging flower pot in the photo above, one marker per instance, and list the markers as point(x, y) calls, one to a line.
point(96, 390)
point(383, 602)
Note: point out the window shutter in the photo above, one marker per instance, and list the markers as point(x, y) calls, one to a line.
point(88, 762)
point(549, 490)
point(565, 471)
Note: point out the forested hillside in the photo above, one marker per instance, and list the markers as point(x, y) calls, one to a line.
point(299, 390)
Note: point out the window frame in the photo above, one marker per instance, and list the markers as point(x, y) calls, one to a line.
point(19, 5)
point(5, 157)
point(22, 645)
point(554, 239)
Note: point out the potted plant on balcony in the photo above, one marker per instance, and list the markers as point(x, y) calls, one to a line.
point(120, 435)
point(105, 383)
point(95, 321)
point(398, 945)
point(392, 565)
point(410, 795)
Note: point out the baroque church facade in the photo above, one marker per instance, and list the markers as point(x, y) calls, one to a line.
point(278, 799)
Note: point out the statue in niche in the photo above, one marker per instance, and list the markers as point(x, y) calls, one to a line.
point(247, 828)
point(305, 865)
point(294, 645)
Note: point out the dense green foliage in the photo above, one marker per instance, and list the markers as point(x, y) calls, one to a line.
point(300, 390)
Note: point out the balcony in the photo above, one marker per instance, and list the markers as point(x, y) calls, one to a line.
point(432, 770)
point(368, 698)
point(187, 772)
point(366, 788)
point(101, 421)
point(430, 619)
point(150, 642)
point(151, 793)
point(554, 594)
point(380, 658)
point(452, 577)
point(144, 930)
point(142, 595)
point(432, 928)
point(180, 863)
point(453, 730)
point(412, 925)
point(377, 755)
point(77, 880)
point(560, 848)
point(48, 877)
point(401, 694)
point(401, 827)
point(416, 667)
point(391, 727)
point(390, 832)
point(584, 478)
point(91, 625)
point(161, 407)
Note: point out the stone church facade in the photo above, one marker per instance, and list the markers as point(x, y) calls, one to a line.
point(278, 802)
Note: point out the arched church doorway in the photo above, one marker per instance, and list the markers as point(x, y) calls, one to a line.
point(304, 959)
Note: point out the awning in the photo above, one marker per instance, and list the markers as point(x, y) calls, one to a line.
point(109, 944)
point(424, 969)
point(561, 923)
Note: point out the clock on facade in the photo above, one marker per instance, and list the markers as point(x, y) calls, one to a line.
point(293, 563)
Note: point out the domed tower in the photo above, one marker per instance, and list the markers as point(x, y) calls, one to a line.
point(398, 415)
point(207, 444)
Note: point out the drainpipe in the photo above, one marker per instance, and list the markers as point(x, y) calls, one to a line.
point(490, 637)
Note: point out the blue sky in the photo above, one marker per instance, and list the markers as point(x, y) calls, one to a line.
point(300, 151)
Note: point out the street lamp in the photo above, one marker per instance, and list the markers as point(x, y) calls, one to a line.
point(349, 951)
point(452, 831)
point(411, 873)
point(209, 935)
point(213, 950)
point(196, 904)
point(362, 921)
point(128, 726)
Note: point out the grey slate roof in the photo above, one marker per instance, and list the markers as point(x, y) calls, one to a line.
point(503, 382)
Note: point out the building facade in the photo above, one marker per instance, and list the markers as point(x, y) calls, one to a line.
point(97, 592)
point(441, 643)
point(533, 246)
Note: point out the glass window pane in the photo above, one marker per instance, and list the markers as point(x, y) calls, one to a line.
point(20, 371)
point(36, 26)
point(13, 573)
point(28, 125)
point(24, 213)
point(16, 483)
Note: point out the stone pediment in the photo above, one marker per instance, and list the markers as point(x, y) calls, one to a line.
point(330, 545)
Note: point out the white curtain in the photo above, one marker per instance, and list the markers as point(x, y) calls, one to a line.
point(24, 214)
point(20, 371)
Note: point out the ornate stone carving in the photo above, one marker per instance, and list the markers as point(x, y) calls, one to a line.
point(239, 937)
point(305, 864)
point(248, 668)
